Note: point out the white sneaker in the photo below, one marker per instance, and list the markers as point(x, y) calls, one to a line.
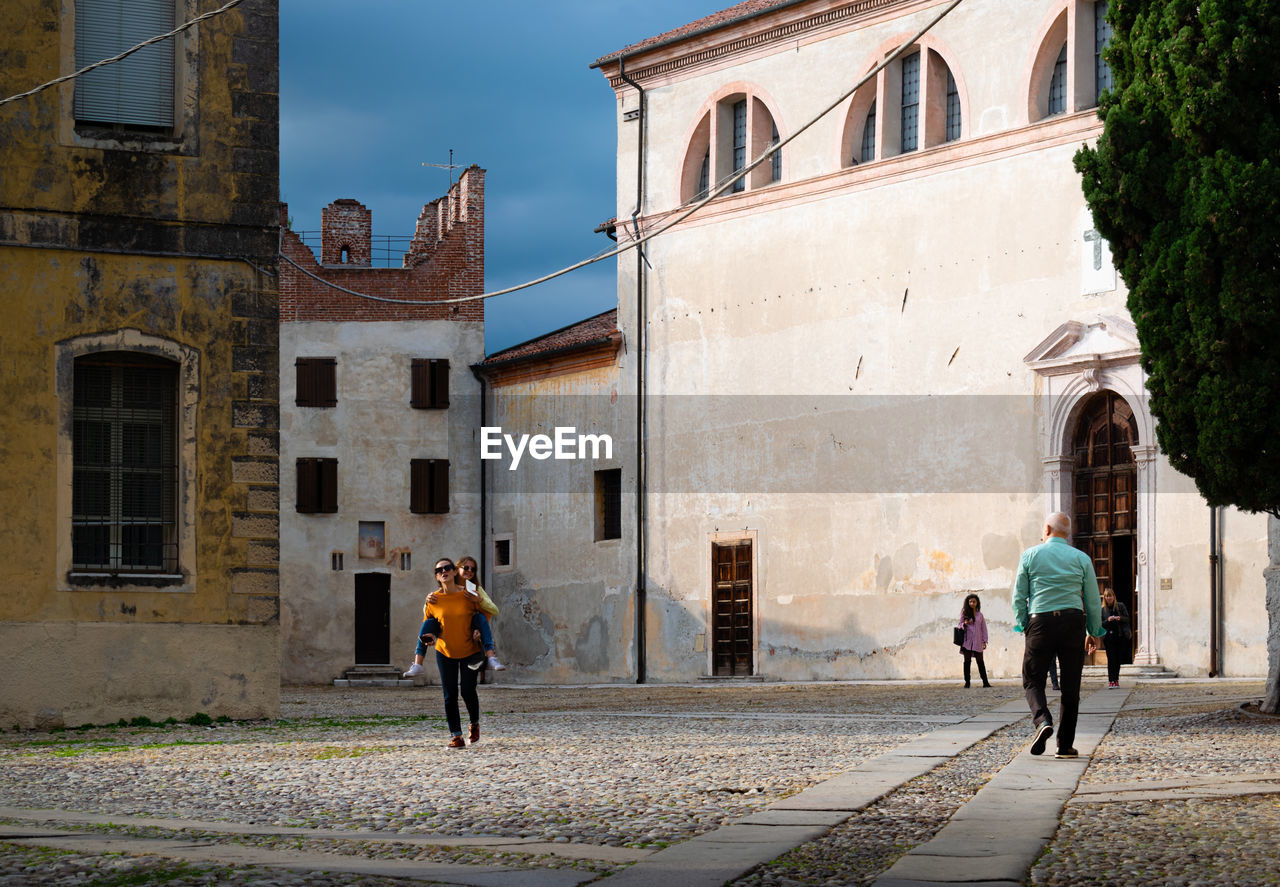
point(414, 670)
point(495, 664)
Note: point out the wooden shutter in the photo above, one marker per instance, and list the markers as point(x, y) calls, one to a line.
point(328, 494)
point(419, 489)
point(308, 487)
point(439, 486)
point(317, 382)
point(440, 384)
point(430, 388)
point(429, 486)
point(138, 90)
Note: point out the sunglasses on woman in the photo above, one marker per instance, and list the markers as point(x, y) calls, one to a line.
point(445, 569)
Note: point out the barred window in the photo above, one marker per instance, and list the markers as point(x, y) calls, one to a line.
point(1101, 40)
point(124, 464)
point(704, 176)
point(739, 142)
point(953, 109)
point(868, 152)
point(1058, 84)
point(775, 169)
point(608, 504)
point(910, 102)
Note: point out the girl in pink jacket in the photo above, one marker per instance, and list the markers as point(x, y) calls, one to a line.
point(975, 637)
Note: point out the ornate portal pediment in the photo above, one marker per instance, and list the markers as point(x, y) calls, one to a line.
point(1077, 347)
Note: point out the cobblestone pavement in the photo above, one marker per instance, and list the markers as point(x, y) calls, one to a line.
point(586, 776)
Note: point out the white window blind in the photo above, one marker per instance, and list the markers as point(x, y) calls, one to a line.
point(139, 90)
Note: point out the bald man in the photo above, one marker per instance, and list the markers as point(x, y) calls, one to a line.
point(1056, 605)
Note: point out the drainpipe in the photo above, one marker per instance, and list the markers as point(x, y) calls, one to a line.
point(1215, 588)
point(641, 594)
point(482, 573)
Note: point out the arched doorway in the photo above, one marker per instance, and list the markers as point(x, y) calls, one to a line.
point(1105, 508)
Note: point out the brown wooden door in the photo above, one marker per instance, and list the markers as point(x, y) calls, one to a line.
point(731, 616)
point(1106, 510)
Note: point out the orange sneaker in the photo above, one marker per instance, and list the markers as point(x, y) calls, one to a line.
point(457, 742)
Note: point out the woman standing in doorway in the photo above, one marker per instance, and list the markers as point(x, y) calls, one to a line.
point(1117, 640)
point(452, 609)
point(975, 637)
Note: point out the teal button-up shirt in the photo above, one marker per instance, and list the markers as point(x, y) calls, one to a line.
point(1056, 576)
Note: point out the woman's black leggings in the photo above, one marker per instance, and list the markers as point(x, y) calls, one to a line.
point(982, 666)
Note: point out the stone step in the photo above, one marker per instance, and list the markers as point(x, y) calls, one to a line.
point(1141, 672)
point(373, 676)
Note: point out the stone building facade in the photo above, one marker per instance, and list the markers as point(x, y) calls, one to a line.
point(379, 408)
point(138, 398)
point(871, 367)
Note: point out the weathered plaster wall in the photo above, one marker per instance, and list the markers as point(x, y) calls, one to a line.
point(567, 604)
point(137, 671)
point(837, 364)
point(167, 240)
point(373, 433)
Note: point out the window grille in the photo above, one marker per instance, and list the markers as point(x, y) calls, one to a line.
point(1101, 40)
point(869, 135)
point(910, 102)
point(776, 158)
point(124, 464)
point(137, 91)
point(1058, 84)
point(335, 561)
point(739, 142)
point(704, 176)
point(608, 504)
point(953, 109)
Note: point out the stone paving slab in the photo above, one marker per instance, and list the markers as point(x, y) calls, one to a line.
point(1015, 815)
point(776, 816)
point(701, 862)
point(533, 846)
point(239, 855)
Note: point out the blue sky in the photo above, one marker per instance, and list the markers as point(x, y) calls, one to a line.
point(369, 91)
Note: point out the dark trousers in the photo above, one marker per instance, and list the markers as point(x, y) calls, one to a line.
point(1117, 654)
point(1049, 635)
point(450, 671)
point(982, 667)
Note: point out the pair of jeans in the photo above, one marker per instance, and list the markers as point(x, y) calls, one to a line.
point(1059, 635)
point(982, 667)
point(432, 626)
point(451, 670)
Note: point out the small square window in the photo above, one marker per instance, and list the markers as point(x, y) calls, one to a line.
point(335, 561)
point(608, 504)
point(504, 553)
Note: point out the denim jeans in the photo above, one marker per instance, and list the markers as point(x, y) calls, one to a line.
point(432, 626)
point(1057, 635)
point(450, 671)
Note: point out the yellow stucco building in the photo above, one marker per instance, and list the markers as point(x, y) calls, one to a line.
point(138, 364)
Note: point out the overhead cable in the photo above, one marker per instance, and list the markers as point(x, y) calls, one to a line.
point(681, 215)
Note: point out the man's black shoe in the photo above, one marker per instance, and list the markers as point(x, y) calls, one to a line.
point(1067, 753)
point(1043, 732)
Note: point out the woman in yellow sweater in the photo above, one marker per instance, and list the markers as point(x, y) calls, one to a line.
point(454, 608)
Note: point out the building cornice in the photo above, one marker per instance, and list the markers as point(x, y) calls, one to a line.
point(741, 35)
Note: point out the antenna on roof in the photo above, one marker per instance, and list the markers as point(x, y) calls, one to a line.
point(449, 166)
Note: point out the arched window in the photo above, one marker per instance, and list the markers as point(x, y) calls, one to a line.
point(1061, 79)
point(923, 109)
point(737, 129)
point(867, 152)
